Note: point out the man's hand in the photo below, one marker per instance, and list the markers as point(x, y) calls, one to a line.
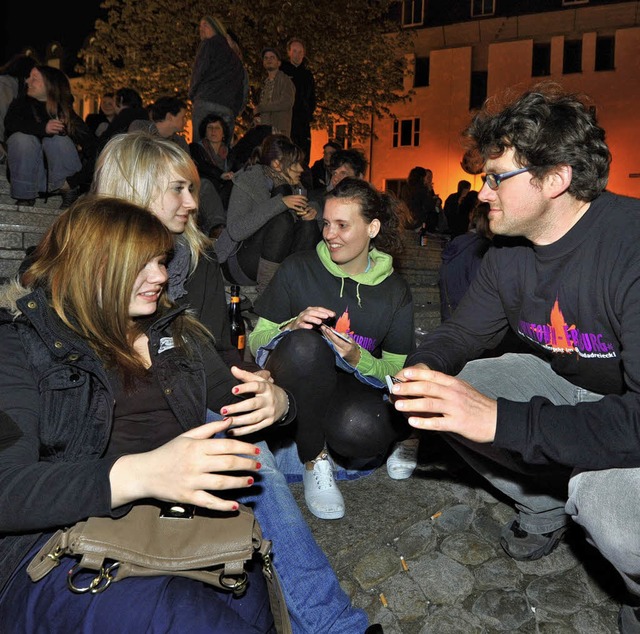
point(435, 401)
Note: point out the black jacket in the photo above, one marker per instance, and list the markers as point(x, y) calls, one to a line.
point(305, 103)
point(56, 413)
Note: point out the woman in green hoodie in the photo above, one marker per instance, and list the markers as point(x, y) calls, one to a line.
point(333, 322)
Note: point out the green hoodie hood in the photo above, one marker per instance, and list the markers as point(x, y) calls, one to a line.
point(381, 269)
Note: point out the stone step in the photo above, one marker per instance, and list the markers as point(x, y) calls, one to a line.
point(21, 227)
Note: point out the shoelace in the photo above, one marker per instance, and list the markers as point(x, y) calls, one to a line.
point(323, 475)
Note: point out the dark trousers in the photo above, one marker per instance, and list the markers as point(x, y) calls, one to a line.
point(282, 235)
point(333, 406)
point(301, 136)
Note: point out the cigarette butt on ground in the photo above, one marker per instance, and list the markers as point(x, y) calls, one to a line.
point(435, 516)
point(404, 564)
point(383, 600)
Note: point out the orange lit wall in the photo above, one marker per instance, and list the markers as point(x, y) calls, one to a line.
point(443, 106)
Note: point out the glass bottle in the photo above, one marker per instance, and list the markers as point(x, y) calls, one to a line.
point(422, 236)
point(236, 323)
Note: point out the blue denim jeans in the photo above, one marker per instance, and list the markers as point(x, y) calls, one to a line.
point(315, 600)
point(26, 155)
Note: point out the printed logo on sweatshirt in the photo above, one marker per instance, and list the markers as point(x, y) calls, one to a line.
point(343, 324)
point(558, 336)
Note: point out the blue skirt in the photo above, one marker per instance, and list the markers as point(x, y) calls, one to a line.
point(136, 605)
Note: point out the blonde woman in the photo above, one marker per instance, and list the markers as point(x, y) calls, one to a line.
point(157, 174)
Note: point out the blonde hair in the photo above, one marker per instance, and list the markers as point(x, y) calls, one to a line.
point(138, 167)
point(88, 262)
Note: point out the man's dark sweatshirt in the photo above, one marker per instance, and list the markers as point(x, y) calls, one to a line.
point(576, 303)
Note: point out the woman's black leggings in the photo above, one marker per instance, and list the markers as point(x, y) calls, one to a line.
point(274, 241)
point(333, 406)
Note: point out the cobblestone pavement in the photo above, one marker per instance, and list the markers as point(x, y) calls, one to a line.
point(446, 525)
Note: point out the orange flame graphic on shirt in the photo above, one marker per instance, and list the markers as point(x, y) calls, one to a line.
point(559, 329)
point(343, 323)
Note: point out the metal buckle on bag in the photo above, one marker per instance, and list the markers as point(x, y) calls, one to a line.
point(105, 577)
point(237, 585)
point(56, 555)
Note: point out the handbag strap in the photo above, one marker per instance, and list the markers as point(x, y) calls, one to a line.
point(277, 600)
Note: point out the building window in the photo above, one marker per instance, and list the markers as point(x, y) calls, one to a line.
point(572, 62)
point(421, 72)
point(412, 12)
point(343, 135)
point(478, 92)
point(605, 52)
point(406, 132)
point(541, 62)
point(480, 8)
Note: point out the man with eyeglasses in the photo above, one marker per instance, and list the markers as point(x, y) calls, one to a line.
point(558, 429)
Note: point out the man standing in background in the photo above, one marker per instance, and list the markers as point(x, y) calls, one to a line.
point(305, 102)
point(277, 95)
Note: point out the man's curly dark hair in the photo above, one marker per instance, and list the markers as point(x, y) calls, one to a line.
point(545, 127)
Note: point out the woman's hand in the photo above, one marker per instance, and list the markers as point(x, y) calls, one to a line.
point(309, 213)
point(55, 126)
point(296, 202)
point(311, 317)
point(186, 469)
point(268, 405)
point(348, 350)
point(227, 176)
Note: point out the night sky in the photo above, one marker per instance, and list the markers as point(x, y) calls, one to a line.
point(65, 22)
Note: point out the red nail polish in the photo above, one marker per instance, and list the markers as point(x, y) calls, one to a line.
point(258, 465)
point(235, 507)
point(223, 411)
point(249, 481)
point(257, 450)
point(235, 390)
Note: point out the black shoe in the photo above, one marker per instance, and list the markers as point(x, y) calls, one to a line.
point(69, 197)
point(376, 628)
point(25, 202)
point(629, 620)
point(523, 546)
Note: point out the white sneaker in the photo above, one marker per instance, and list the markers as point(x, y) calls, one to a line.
point(403, 460)
point(321, 492)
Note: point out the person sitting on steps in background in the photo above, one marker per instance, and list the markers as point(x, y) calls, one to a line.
point(50, 148)
point(13, 76)
point(98, 121)
point(167, 117)
point(266, 221)
point(129, 108)
point(211, 155)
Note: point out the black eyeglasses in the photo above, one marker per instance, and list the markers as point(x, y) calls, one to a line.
point(494, 180)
